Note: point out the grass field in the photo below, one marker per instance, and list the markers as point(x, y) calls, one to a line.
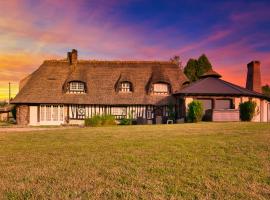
point(185, 161)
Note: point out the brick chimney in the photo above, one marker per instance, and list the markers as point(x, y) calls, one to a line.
point(72, 56)
point(254, 76)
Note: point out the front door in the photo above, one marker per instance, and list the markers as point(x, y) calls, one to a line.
point(158, 112)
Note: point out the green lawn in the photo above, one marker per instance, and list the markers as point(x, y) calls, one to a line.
point(185, 161)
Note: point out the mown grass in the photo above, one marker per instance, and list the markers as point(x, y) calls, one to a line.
point(186, 161)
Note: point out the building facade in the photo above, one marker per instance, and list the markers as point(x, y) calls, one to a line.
point(68, 91)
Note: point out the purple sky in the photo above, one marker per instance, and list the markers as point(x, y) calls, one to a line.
point(230, 34)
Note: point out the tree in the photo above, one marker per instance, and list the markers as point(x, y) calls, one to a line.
point(195, 68)
point(203, 65)
point(191, 69)
point(177, 61)
point(266, 90)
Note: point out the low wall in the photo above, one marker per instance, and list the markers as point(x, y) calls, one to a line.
point(228, 115)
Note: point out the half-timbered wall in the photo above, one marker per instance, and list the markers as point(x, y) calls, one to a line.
point(136, 111)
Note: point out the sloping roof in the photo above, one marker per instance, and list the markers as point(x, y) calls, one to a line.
point(46, 83)
point(211, 73)
point(211, 86)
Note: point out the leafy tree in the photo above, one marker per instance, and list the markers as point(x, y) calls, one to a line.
point(266, 90)
point(195, 68)
point(191, 69)
point(203, 65)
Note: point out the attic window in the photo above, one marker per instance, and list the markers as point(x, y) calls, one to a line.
point(160, 88)
point(76, 87)
point(125, 87)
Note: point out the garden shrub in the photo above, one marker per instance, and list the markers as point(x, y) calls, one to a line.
point(100, 120)
point(125, 121)
point(195, 111)
point(247, 110)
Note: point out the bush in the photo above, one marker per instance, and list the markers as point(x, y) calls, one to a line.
point(247, 110)
point(195, 111)
point(125, 121)
point(100, 120)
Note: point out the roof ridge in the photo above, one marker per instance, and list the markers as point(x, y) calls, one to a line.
point(113, 61)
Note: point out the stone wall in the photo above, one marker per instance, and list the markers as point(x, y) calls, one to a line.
point(22, 115)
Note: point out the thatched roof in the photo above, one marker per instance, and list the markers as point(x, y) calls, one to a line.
point(46, 84)
point(212, 86)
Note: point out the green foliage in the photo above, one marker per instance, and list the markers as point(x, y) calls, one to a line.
point(3, 103)
point(190, 69)
point(100, 120)
point(128, 120)
point(247, 110)
point(125, 121)
point(266, 90)
point(195, 111)
point(203, 65)
point(195, 68)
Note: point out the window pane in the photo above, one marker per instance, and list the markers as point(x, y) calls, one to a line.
point(48, 113)
point(223, 104)
point(207, 104)
point(55, 113)
point(125, 87)
point(161, 88)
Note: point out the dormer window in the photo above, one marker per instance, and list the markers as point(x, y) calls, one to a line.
point(161, 88)
point(125, 87)
point(76, 87)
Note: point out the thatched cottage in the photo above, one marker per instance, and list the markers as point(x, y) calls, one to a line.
point(70, 90)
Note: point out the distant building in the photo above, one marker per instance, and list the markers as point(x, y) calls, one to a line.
point(70, 90)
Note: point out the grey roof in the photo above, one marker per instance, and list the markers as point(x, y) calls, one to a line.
point(212, 86)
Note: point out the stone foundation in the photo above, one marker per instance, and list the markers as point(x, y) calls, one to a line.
point(22, 115)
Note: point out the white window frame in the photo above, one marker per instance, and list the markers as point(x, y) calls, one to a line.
point(76, 87)
point(161, 88)
point(125, 87)
point(51, 114)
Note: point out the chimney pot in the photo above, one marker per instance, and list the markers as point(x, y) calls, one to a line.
point(254, 77)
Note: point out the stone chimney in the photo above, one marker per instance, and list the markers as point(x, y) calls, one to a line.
point(254, 76)
point(72, 56)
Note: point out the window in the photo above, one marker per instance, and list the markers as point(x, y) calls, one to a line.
point(223, 104)
point(125, 87)
point(48, 113)
point(55, 113)
point(42, 113)
point(161, 88)
point(76, 87)
point(51, 113)
point(119, 112)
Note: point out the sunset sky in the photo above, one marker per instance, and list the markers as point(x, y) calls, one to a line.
point(230, 33)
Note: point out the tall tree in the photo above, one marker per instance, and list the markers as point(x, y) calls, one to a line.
point(191, 69)
point(195, 68)
point(204, 65)
point(266, 90)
